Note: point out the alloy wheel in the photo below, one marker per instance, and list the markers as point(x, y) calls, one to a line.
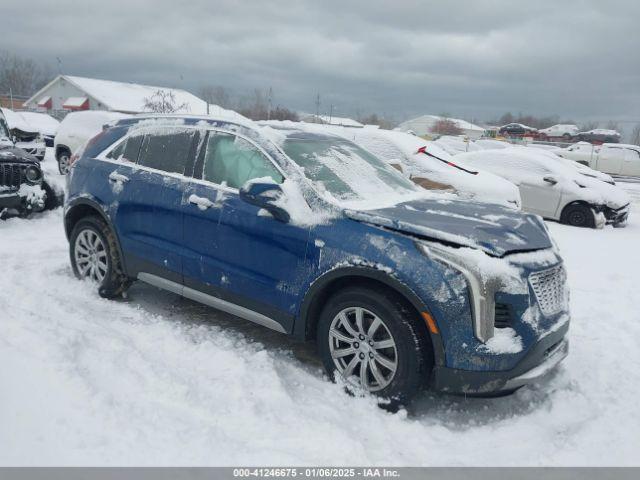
point(363, 349)
point(90, 256)
point(63, 164)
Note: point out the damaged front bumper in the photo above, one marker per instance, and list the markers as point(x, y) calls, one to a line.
point(616, 216)
point(542, 358)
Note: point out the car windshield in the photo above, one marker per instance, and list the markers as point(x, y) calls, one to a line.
point(350, 175)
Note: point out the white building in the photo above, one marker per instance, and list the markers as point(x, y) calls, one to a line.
point(66, 92)
point(424, 125)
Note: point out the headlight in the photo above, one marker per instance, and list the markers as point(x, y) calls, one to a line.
point(482, 286)
point(33, 175)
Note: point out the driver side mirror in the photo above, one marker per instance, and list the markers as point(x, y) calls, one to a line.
point(265, 195)
point(550, 179)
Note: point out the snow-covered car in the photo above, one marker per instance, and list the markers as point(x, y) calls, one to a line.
point(24, 135)
point(23, 187)
point(454, 144)
point(46, 125)
point(599, 135)
point(313, 236)
point(516, 129)
point(491, 144)
point(431, 167)
point(611, 158)
point(566, 131)
point(553, 189)
point(74, 131)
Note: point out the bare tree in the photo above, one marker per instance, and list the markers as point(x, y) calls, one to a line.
point(446, 126)
point(612, 125)
point(283, 113)
point(374, 119)
point(216, 95)
point(256, 106)
point(635, 135)
point(21, 76)
point(163, 101)
point(590, 125)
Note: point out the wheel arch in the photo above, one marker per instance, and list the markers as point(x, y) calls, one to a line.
point(80, 208)
point(322, 288)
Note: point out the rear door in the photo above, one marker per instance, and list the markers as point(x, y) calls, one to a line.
point(611, 159)
point(235, 251)
point(631, 164)
point(149, 208)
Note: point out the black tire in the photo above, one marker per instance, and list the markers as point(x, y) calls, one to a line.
point(51, 201)
point(63, 157)
point(412, 347)
point(115, 281)
point(579, 216)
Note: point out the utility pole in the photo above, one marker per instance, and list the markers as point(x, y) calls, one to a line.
point(269, 103)
point(11, 98)
point(330, 113)
point(318, 108)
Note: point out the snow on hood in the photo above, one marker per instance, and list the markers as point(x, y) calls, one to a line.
point(493, 229)
point(15, 120)
point(45, 124)
point(527, 164)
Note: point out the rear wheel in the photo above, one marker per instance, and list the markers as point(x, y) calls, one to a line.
point(64, 158)
point(370, 338)
point(579, 216)
point(94, 256)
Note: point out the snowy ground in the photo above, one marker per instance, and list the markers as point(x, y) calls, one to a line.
point(159, 380)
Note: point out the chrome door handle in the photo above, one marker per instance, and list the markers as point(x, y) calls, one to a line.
point(118, 177)
point(201, 202)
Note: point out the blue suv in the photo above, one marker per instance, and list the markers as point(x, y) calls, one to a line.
point(310, 235)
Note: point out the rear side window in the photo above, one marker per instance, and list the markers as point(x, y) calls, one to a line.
point(232, 161)
point(127, 150)
point(168, 152)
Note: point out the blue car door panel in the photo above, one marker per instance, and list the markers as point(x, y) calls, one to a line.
point(234, 250)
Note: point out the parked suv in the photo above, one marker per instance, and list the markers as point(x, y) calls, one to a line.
point(312, 236)
point(23, 189)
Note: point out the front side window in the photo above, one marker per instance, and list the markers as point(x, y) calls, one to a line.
point(232, 161)
point(168, 152)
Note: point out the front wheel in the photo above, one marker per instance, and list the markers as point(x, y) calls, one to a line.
point(579, 216)
point(370, 338)
point(95, 257)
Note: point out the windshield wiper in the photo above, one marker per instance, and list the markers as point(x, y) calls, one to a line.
point(451, 164)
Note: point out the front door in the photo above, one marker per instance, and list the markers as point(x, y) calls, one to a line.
point(611, 159)
point(236, 251)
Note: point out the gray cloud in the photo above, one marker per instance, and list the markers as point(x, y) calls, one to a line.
point(577, 59)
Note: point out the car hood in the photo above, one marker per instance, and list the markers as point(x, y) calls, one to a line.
point(16, 155)
point(492, 228)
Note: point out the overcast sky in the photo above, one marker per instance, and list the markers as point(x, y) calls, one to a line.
point(474, 59)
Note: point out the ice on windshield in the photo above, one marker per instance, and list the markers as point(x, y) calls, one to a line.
point(349, 174)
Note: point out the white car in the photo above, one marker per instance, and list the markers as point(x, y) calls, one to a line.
point(76, 129)
point(566, 131)
point(46, 125)
point(428, 165)
point(554, 189)
point(611, 158)
point(25, 136)
point(454, 144)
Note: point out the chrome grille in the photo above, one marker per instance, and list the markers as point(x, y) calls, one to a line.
point(11, 175)
point(549, 287)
